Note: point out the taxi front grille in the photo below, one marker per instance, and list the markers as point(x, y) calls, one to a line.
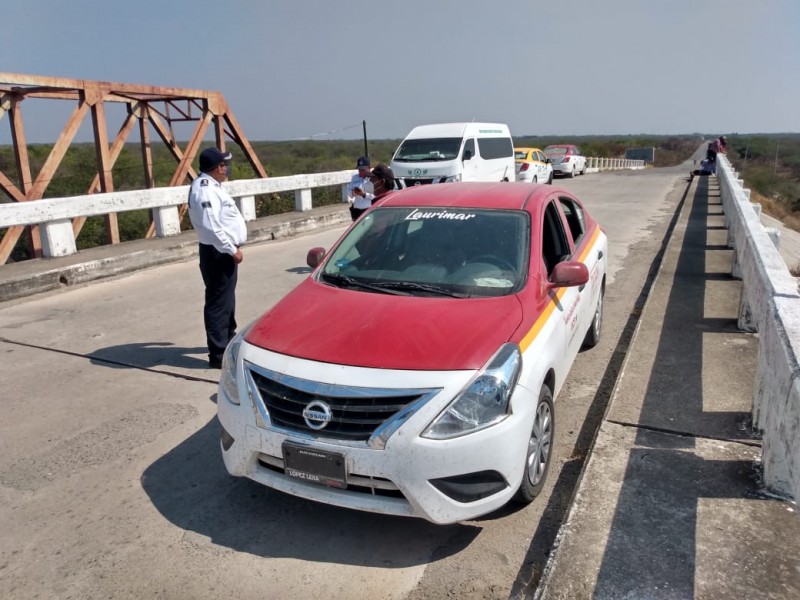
point(356, 414)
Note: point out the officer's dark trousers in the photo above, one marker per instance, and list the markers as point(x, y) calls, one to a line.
point(219, 277)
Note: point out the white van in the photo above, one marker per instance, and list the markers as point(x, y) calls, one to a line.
point(446, 152)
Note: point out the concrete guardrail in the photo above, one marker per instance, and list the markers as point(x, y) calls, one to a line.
point(595, 165)
point(770, 305)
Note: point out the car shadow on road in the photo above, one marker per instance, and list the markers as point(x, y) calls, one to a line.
point(148, 355)
point(190, 487)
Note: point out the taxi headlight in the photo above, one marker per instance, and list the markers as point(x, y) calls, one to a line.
point(485, 399)
point(227, 383)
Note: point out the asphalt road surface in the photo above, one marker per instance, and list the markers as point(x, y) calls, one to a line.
point(111, 480)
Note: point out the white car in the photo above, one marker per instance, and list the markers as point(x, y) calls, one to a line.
point(413, 373)
point(533, 166)
point(566, 159)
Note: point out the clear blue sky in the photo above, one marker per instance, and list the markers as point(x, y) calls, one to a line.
point(293, 69)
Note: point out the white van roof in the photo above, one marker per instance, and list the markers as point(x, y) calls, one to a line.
point(444, 130)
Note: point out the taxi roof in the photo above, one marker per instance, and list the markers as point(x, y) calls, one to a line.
point(502, 195)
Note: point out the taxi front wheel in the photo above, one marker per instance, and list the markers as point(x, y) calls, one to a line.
point(540, 445)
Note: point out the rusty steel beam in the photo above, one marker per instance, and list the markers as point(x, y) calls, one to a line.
point(149, 106)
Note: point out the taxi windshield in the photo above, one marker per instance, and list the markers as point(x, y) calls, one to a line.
point(433, 251)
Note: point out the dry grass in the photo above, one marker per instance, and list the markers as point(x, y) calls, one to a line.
point(777, 210)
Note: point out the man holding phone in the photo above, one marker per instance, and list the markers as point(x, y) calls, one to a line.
point(359, 190)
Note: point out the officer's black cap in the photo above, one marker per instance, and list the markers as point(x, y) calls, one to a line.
point(211, 157)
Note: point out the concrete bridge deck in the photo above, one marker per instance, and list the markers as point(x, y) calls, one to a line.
point(669, 504)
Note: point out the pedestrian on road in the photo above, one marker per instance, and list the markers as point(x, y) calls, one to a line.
point(359, 188)
point(221, 231)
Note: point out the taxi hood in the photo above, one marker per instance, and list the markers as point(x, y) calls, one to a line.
point(343, 326)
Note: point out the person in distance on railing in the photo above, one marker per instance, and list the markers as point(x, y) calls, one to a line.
point(718, 146)
point(221, 231)
point(359, 186)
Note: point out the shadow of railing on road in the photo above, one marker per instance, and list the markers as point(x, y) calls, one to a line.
point(652, 541)
point(190, 487)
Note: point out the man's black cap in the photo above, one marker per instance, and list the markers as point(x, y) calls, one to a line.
point(211, 157)
point(381, 171)
point(362, 163)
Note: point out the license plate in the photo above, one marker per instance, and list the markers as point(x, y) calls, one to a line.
point(314, 466)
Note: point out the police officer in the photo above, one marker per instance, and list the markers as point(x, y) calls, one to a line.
point(359, 189)
point(221, 231)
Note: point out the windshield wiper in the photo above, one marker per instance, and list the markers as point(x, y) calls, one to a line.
point(421, 287)
point(345, 281)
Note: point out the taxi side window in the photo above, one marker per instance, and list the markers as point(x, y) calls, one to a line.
point(555, 246)
point(575, 220)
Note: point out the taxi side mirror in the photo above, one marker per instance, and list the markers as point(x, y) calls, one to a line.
point(314, 257)
point(569, 274)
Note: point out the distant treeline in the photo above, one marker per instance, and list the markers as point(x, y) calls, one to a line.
point(769, 164)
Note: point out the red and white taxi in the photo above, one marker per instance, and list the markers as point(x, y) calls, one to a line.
point(413, 373)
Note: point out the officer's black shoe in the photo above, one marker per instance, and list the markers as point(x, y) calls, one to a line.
point(214, 363)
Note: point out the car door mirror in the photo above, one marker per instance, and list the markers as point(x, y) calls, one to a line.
point(314, 257)
point(467, 154)
point(569, 274)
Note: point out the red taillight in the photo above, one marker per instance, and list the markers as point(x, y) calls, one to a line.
point(524, 167)
point(566, 159)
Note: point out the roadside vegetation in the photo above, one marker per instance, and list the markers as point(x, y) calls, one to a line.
point(769, 165)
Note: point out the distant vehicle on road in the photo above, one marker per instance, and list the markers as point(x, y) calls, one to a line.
point(413, 372)
point(451, 152)
point(566, 159)
point(533, 166)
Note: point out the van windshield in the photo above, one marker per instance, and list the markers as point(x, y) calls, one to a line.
point(428, 149)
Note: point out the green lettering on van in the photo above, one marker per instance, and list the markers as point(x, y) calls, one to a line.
point(489, 131)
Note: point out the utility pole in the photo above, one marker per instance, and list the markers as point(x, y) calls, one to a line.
point(364, 125)
point(777, 145)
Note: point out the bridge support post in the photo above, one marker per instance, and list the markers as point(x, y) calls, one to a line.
point(775, 235)
point(57, 238)
point(167, 221)
point(746, 321)
point(247, 206)
point(302, 200)
point(344, 192)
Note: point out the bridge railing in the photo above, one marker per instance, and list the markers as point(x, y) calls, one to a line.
point(595, 164)
point(54, 216)
point(770, 304)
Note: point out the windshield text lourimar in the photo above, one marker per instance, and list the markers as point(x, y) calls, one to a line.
point(417, 214)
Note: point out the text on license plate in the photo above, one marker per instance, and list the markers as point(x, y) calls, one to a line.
point(314, 466)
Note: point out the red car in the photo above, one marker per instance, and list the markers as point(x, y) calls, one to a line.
point(566, 159)
point(414, 371)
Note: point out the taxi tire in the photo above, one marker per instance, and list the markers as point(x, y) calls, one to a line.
point(539, 451)
point(595, 329)
point(550, 179)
